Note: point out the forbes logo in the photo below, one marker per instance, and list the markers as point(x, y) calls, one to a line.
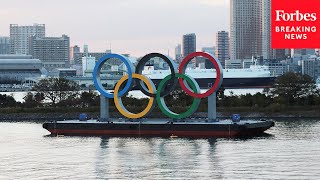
point(281, 15)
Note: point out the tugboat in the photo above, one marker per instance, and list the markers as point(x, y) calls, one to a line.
point(192, 128)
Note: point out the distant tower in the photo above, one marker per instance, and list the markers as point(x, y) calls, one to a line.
point(19, 37)
point(4, 45)
point(266, 32)
point(178, 54)
point(86, 50)
point(189, 44)
point(267, 51)
point(222, 46)
point(88, 64)
point(73, 50)
point(246, 28)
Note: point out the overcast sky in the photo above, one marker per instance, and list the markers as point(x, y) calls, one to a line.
point(136, 27)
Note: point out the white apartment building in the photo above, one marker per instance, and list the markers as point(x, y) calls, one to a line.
point(19, 37)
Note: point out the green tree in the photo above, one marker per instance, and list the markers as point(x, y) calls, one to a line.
point(178, 95)
point(89, 98)
point(33, 100)
point(57, 89)
point(7, 101)
point(267, 91)
point(294, 88)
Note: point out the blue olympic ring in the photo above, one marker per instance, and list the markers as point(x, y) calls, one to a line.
point(97, 69)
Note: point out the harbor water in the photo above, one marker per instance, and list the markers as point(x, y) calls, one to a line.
point(290, 150)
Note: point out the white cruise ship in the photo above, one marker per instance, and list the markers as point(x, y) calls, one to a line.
point(253, 77)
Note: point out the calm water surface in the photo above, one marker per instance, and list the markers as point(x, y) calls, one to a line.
point(291, 151)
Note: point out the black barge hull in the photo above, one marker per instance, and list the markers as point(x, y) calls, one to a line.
point(158, 129)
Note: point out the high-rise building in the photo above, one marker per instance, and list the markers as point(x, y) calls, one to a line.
point(222, 46)
point(54, 52)
point(188, 44)
point(204, 62)
point(267, 51)
point(73, 50)
point(19, 37)
point(311, 67)
point(177, 52)
point(4, 45)
point(246, 28)
point(86, 50)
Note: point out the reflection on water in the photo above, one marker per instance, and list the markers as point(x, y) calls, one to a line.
point(289, 150)
point(156, 158)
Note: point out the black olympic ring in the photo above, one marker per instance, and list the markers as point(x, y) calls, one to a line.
point(172, 82)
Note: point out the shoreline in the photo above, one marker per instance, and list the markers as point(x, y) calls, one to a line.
point(44, 117)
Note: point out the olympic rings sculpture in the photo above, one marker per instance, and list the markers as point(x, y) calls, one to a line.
point(148, 88)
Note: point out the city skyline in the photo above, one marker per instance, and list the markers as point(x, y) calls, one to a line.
point(138, 27)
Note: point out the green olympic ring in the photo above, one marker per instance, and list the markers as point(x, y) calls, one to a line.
point(162, 105)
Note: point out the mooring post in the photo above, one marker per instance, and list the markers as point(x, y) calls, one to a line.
point(104, 108)
point(212, 107)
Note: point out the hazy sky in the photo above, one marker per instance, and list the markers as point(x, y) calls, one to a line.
point(136, 27)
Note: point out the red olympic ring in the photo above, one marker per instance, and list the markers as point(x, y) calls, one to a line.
point(216, 65)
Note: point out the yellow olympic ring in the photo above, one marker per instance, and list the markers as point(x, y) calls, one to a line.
point(118, 101)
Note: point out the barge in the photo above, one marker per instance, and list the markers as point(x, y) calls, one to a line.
point(194, 128)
